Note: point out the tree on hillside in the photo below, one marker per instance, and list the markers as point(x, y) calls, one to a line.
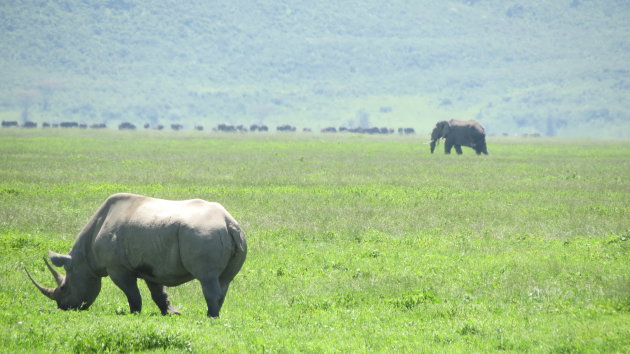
point(47, 88)
point(364, 119)
point(26, 98)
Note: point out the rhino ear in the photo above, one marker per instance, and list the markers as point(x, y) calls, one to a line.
point(59, 259)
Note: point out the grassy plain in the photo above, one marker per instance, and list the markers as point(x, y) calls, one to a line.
point(356, 243)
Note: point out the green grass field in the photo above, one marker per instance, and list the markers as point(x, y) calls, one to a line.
point(356, 243)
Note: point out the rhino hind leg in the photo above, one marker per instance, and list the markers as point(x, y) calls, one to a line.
point(160, 297)
point(127, 282)
point(214, 295)
point(225, 285)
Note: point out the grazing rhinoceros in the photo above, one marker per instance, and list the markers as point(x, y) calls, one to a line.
point(164, 242)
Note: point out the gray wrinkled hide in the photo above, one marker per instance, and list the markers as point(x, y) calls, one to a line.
point(164, 242)
point(458, 133)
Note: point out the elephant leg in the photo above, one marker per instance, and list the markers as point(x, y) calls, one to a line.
point(447, 147)
point(160, 298)
point(458, 149)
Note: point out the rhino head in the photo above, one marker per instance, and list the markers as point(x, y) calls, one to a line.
point(77, 289)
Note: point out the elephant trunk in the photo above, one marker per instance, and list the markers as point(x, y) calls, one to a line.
point(433, 143)
point(436, 135)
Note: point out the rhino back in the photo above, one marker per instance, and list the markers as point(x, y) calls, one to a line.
point(163, 241)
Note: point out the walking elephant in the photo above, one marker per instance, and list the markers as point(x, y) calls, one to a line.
point(459, 133)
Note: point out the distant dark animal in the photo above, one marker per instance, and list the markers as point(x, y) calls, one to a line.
point(159, 127)
point(69, 124)
point(98, 126)
point(45, 125)
point(370, 130)
point(329, 130)
point(29, 124)
point(199, 127)
point(164, 242)
point(285, 128)
point(177, 126)
point(9, 123)
point(306, 130)
point(147, 125)
point(459, 133)
point(259, 128)
point(226, 127)
point(126, 126)
point(241, 128)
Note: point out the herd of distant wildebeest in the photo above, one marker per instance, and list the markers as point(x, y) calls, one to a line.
point(223, 127)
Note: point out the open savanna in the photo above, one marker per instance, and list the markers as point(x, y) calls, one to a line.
point(356, 243)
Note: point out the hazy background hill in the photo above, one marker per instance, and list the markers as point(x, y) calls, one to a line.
point(552, 67)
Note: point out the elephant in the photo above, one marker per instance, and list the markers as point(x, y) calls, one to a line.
point(459, 133)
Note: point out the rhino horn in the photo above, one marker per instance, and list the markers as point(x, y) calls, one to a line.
point(58, 277)
point(46, 291)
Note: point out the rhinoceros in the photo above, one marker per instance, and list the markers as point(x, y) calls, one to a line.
point(164, 242)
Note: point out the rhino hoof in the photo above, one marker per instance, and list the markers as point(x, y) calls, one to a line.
point(172, 311)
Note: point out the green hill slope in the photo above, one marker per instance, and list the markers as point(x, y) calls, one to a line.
point(556, 68)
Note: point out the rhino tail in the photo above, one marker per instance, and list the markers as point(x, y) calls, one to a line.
point(239, 252)
point(238, 236)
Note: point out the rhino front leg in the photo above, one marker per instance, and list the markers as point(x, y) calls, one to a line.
point(127, 282)
point(213, 294)
point(160, 297)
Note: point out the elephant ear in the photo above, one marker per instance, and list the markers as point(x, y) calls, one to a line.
point(446, 128)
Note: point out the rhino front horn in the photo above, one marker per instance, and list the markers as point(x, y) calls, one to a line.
point(46, 291)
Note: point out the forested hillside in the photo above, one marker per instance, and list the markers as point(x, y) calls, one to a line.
point(555, 68)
